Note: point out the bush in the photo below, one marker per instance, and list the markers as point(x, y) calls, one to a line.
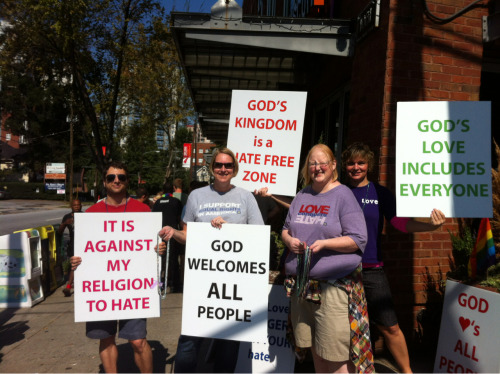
point(27, 191)
point(462, 248)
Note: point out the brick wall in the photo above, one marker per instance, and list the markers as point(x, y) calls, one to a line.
point(410, 58)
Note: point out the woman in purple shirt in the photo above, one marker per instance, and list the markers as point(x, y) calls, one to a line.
point(326, 235)
point(378, 202)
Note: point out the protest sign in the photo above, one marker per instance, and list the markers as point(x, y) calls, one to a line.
point(265, 132)
point(276, 355)
point(225, 282)
point(468, 338)
point(118, 276)
point(443, 159)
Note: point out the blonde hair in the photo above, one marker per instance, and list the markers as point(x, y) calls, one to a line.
point(331, 158)
point(225, 151)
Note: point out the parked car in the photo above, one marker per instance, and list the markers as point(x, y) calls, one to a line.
point(4, 194)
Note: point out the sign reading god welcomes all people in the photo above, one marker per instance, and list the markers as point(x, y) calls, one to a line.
point(226, 282)
point(468, 338)
point(265, 132)
point(443, 158)
point(117, 278)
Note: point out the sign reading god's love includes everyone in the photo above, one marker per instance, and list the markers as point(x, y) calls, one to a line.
point(226, 282)
point(443, 158)
point(118, 276)
point(265, 132)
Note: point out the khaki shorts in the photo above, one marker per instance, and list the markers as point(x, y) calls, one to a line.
point(325, 326)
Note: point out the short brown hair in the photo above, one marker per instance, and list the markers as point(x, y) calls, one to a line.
point(116, 165)
point(358, 149)
point(331, 157)
point(228, 152)
point(177, 183)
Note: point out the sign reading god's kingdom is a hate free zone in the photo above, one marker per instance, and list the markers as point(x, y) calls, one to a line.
point(443, 158)
point(265, 133)
point(118, 276)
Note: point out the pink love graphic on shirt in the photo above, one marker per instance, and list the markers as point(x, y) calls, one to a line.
point(464, 322)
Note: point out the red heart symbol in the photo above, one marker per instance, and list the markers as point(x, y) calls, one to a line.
point(464, 322)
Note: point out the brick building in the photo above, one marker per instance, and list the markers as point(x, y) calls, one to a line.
point(356, 63)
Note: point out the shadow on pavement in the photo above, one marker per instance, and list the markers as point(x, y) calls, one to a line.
point(126, 363)
point(13, 332)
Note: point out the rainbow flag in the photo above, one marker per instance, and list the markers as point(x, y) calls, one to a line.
point(483, 254)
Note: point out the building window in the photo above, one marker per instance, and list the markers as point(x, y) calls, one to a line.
point(330, 118)
point(7, 136)
point(200, 150)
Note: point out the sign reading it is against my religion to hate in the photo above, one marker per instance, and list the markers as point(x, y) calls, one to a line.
point(117, 278)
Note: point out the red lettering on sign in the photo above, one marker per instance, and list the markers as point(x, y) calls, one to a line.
point(262, 177)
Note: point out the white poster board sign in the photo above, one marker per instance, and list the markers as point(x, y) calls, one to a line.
point(443, 158)
point(265, 132)
point(20, 270)
point(468, 338)
point(276, 355)
point(225, 282)
point(117, 278)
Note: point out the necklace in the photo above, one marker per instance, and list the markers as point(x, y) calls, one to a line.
point(303, 265)
point(106, 203)
point(366, 196)
point(162, 286)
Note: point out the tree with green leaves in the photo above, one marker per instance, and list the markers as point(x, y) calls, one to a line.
point(73, 54)
point(155, 88)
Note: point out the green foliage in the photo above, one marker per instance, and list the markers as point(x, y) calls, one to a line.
point(462, 248)
point(492, 277)
point(277, 249)
point(62, 57)
point(155, 89)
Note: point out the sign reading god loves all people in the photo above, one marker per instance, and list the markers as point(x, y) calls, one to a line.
point(468, 337)
point(443, 158)
point(265, 133)
point(118, 276)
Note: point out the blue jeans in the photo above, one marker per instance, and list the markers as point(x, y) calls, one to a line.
point(224, 354)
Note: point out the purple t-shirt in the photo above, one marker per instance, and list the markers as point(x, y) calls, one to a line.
point(332, 214)
point(377, 202)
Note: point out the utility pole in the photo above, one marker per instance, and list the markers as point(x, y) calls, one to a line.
point(71, 152)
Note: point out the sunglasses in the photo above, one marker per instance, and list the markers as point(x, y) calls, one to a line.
point(111, 177)
point(227, 165)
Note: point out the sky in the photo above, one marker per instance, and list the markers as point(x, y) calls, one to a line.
point(194, 6)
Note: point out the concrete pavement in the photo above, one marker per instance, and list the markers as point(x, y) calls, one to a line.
point(46, 339)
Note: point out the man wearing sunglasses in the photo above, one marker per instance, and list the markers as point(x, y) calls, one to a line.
point(116, 181)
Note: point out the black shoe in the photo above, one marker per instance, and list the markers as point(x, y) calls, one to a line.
point(66, 292)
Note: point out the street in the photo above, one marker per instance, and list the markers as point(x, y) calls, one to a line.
point(18, 215)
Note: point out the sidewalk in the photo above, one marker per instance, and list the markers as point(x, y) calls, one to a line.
point(45, 339)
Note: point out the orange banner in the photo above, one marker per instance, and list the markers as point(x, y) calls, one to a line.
point(55, 176)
